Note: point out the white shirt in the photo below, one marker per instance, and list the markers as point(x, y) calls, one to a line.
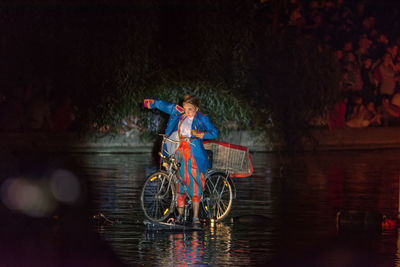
point(186, 127)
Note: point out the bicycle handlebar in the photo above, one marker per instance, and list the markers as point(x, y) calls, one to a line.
point(176, 142)
point(165, 137)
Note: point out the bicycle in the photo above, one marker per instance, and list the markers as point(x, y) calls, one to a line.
point(158, 196)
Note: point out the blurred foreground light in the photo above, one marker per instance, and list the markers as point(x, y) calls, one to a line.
point(65, 186)
point(27, 196)
point(212, 223)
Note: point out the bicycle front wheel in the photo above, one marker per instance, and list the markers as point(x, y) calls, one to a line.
point(217, 196)
point(158, 197)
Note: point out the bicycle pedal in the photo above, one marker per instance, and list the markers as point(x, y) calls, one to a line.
point(179, 220)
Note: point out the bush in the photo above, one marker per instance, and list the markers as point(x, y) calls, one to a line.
point(226, 110)
point(288, 78)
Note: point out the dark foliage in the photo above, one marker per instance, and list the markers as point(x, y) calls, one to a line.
point(108, 57)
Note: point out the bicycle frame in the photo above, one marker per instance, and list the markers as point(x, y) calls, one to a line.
point(172, 170)
point(226, 176)
point(217, 196)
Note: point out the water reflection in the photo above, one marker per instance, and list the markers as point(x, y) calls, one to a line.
point(179, 249)
point(116, 194)
point(299, 196)
point(191, 248)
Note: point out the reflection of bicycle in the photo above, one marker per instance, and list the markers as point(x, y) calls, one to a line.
point(158, 197)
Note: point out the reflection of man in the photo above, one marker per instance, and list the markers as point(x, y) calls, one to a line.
point(188, 252)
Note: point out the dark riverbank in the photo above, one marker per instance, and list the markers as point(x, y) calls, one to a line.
point(344, 139)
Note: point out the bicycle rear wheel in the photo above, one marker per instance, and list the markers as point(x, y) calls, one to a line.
point(217, 196)
point(158, 197)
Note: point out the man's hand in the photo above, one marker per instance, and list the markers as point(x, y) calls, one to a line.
point(147, 103)
point(198, 134)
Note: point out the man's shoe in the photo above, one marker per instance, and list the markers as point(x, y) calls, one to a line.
point(196, 223)
point(179, 220)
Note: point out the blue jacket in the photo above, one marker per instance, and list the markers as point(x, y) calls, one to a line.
point(200, 123)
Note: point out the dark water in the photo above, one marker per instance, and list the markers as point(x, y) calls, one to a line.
point(299, 197)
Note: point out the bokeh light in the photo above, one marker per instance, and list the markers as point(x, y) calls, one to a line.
point(28, 196)
point(65, 186)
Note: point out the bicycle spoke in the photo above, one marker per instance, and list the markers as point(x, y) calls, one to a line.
point(165, 201)
point(149, 205)
point(212, 185)
point(223, 205)
point(151, 208)
point(160, 209)
point(225, 194)
point(155, 212)
point(216, 183)
point(219, 212)
point(157, 196)
point(157, 209)
point(222, 191)
point(208, 186)
point(165, 206)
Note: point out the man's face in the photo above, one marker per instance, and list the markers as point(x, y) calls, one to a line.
point(190, 110)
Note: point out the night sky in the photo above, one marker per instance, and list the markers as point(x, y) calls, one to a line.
point(65, 41)
point(75, 44)
point(41, 37)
